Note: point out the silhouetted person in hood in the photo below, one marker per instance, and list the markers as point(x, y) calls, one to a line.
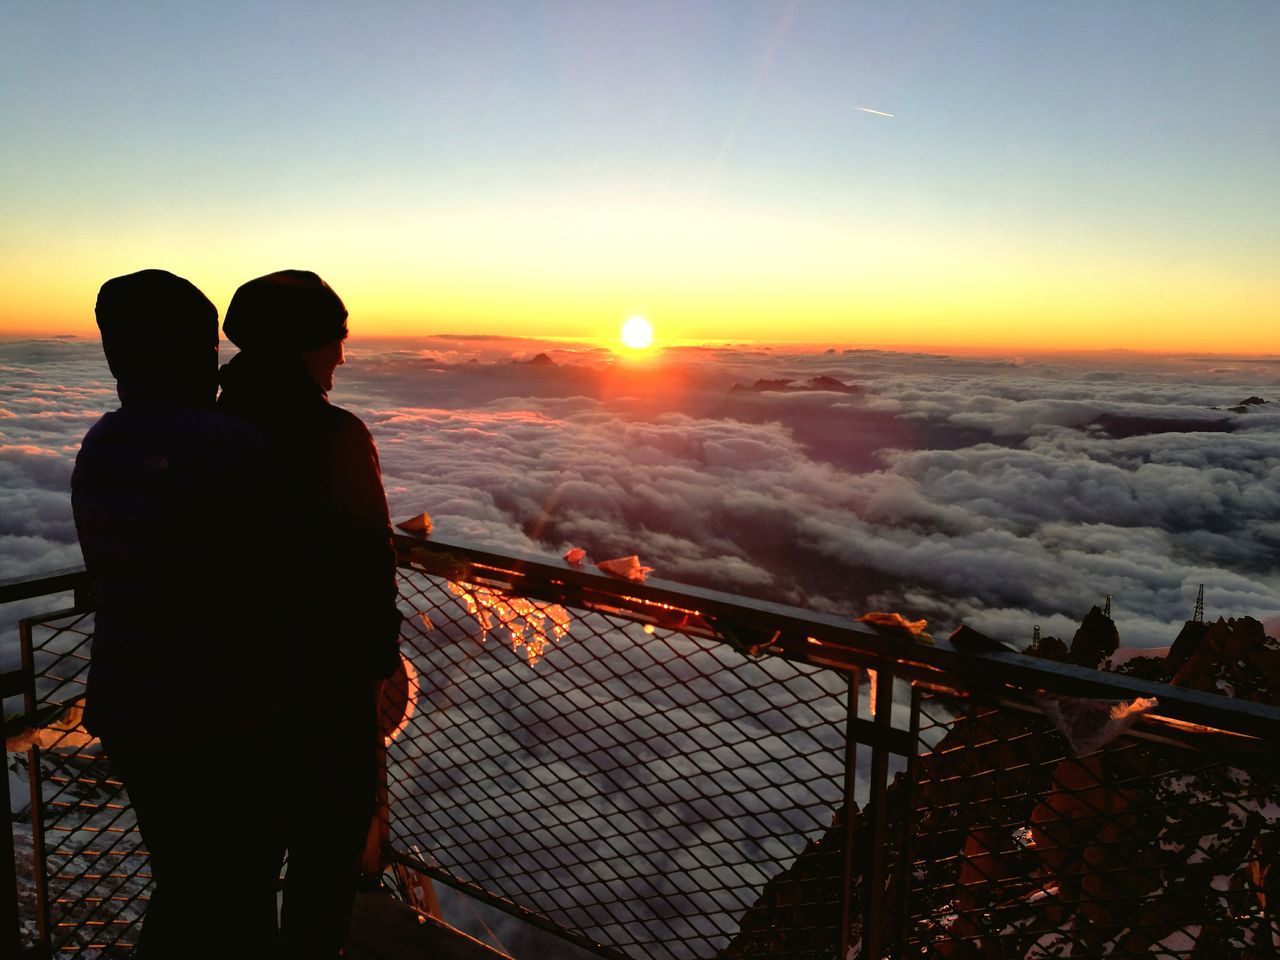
point(172, 506)
point(338, 571)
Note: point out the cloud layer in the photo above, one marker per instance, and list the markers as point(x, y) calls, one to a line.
point(958, 489)
point(1001, 493)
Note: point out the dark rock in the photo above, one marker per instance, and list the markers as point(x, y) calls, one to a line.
point(832, 385)
point(540, 360)
point(1120, 426)
point(1106, 854)
point(819, 383)
point(1155, 669)
point(1189, 638)
point(763, 386)
point(1096, 639)
point(1049, 648)
point(1235, 658)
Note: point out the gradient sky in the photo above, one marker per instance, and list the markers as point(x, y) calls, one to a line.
point(1086, 175)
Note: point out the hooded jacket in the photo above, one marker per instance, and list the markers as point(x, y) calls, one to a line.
point(172, 509)
point(338, 571)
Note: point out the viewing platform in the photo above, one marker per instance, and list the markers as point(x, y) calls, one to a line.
point(650, 770)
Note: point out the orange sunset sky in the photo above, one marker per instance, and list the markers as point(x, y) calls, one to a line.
point(991, 175)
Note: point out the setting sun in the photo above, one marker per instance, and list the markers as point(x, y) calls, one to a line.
point(637, 333)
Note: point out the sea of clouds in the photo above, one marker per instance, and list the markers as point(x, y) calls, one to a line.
point(1001, 493)
point(976, 490)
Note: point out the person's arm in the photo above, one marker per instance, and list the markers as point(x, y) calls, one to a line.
point(363, 536)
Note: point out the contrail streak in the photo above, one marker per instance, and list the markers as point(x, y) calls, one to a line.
point(878, 113)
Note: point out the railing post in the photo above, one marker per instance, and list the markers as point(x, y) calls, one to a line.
point(10, 929)
point(36, 784)
point(873, 884)
point(902, 905)
point(849, 812)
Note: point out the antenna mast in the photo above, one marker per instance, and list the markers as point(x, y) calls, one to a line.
point(1198, 616)
point(1106, 610)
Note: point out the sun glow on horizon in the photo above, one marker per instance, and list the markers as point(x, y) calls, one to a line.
point(637, 333)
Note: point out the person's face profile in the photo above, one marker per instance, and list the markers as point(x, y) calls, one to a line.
point(321, 362)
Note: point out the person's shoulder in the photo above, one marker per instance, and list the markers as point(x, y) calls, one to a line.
point(105, 425)
point(178, 420)
point(346, 426)
point(128, 425)
point(102, 434)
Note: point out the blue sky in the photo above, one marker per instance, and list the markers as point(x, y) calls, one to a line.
point(1111, 156)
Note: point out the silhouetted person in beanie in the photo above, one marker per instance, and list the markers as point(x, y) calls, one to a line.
point(340, 578)
point(172, 504)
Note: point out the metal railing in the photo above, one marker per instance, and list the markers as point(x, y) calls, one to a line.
point(688, 774)
point(89, 871)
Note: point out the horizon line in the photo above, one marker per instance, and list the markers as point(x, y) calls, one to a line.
point(807, 346)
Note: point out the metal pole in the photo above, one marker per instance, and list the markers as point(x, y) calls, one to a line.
point(903, 903)
point(10, 938)
point(34, 779)
point(850, 812)
point(873, 888)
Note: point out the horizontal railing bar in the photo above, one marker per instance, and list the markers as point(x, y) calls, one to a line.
point(709, 603)
point(1228, 729)
point(1184, 703)
point(981, 669)
point(506, 906)
point(898, 742)
point(13, 683)
point(846, 645)
point(977, 668)
point(57, 581)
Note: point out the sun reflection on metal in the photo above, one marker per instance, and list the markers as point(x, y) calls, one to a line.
point(531, 624)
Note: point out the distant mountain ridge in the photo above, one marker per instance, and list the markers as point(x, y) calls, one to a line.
point(1119, 426)
point(818, 384)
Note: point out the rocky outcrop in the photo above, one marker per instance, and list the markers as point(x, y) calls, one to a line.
point(537, 360)
point(1019, 849)
point(814, 384)
point(1234, 658)
point(1135, 850)
point(1184, 646)
point(1119, 426)
point(1095, 640)
point(1244, 406)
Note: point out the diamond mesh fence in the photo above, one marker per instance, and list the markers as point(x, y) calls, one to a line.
point(96, 877)
point(643, 789)
point(1143, 848)
point(636, 786)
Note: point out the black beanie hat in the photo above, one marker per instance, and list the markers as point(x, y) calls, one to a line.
point(155, 324)
point(285, 312)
